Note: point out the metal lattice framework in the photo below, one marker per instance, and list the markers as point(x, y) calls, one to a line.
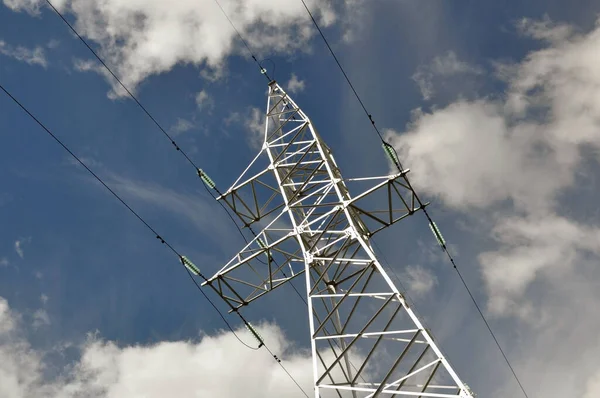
point(365, 340)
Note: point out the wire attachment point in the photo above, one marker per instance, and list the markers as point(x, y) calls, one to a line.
point(255, 333)
point(438, 235)
point(206, 179)
point(391, 153)
point(190, 266)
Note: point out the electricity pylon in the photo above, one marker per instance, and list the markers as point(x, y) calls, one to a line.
point(365, 339)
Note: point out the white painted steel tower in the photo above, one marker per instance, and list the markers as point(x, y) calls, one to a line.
point(365, 339)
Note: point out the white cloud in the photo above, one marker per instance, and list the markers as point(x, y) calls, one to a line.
point(44, 299)
point(203, 367)
point(143, 38)
point(189, 207)
point(181, 126)
point(545, 29)
point(81, 65)
point(7, 319)
point(40, 318)
point(295, 85)
point(514, 157)
point(204, 101)
point(4, 262)
point(30, 6)
point(255, 125)
point(503, 161)
point(354, 20)
point(592, 389)
point(419, 279)
point(19, 246)
point(53, 43)
point(34, 56)
point(442, 67)
point(530, 248)
point(253, 122)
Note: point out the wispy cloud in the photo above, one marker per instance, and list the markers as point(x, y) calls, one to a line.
point(441, 68)
point(34, 56)
point(295, 85)
point(190, 207)
point(253, 122)
point(181, 126)
point(19, 246)
point(4, 262)
point(419, 279)
point(204, 101)
point(40, 318)
point(53, 43)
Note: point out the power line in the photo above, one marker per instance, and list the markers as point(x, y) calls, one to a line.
point(262, 70)
point(178, 148)
point(145, 110)
point(131, 210)
point(337, 61)
point(429, 219)
point(142, 107)
point(150, 228)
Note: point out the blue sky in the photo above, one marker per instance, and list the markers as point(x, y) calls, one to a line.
point(500, 146)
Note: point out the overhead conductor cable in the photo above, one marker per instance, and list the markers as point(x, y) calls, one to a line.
point(391, 152)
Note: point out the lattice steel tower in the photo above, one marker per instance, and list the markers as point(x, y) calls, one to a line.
point(365, 339)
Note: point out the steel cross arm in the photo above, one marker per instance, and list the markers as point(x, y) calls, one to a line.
point(365, 339)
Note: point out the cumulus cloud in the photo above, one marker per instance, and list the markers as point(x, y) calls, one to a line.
point(522, 150)
point(31, 56)
point(144, 38)
point(441, 67)
point(532, 247)
point(7, 319)
point(295, 85)
point(210, 366)
point(30, 6)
